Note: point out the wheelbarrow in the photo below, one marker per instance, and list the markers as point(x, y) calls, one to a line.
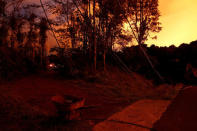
point(68, 107)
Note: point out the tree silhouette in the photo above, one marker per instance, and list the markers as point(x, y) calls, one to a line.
point(97, 24)
point(144, 19)
point(3, 23)
point(43, 27)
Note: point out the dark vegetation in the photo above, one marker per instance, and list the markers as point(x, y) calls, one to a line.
point(176, 64)
point(172, 62)
point(13, 64)
point(91, 58)
point(86, 31)
point(87, 34)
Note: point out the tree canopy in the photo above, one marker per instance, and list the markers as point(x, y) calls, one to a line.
point(93, 26)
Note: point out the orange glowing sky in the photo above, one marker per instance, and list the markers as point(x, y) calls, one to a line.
point(179, 22)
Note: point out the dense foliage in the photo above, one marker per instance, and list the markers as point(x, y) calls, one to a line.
point(176, 64)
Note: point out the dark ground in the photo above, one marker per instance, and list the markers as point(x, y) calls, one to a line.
point(181, 114)
point(25, 103)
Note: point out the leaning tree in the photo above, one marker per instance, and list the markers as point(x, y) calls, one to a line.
point(143, 19)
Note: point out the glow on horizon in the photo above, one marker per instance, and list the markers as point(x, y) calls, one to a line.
point(179, 22)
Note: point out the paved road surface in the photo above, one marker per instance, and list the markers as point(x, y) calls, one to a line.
point(139, 116)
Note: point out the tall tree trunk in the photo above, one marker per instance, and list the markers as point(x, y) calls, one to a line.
point(94, 35)
point(33, 53)
point(43, 55)
point(89, 3)
point(85, 27)
point(111, 42)
point(104, 57)
point(73, 31)
point(89, 31)
point(41, 58)
point(67, 13)
point(105, 43)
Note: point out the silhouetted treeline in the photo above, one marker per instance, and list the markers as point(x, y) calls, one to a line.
point(23, 30)
point(96, 25)
point(23, 35)
point(176, 64)
point(93, 26)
